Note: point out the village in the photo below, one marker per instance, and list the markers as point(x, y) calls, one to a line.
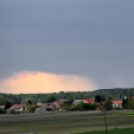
point(74, 105)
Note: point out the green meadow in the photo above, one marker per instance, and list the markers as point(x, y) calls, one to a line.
point(112, 131)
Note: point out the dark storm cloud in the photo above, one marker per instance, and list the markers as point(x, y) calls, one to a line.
point(34, 22)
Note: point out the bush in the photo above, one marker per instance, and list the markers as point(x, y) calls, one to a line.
point(125, 103)
point(85, 106)
point(92, 106)
point(66, 105)
point(2, 111)
point(31, 108)
point(14, 112)
point(131, 103)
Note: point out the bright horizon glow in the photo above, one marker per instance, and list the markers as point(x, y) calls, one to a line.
point(41, 82)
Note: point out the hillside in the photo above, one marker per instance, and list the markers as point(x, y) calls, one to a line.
point(35, 98)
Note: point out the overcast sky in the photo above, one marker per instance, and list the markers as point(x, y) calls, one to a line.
point(92, 39)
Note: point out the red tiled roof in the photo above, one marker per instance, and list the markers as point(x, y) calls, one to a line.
point(53, 104)
point(46, 104)
point(18, 106)
point(2, 106)
point(58, 102)
point(90, 101)
point(117, 102)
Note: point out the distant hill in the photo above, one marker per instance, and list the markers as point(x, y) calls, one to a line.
point(35, 98)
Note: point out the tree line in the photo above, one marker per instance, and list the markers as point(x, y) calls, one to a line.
point(43, 98)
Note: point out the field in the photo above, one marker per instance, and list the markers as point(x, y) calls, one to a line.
point(65, 122)
point(112, 131)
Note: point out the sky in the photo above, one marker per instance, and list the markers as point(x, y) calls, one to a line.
point(66, 45)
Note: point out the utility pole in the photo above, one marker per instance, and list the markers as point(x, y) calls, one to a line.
point(105, 119)
point(115, 119)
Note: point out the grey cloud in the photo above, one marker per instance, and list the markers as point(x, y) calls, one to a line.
point(72, 21)
point(90, 38)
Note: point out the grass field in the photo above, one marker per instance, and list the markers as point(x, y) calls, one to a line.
point(64, 122)
point(113, 131)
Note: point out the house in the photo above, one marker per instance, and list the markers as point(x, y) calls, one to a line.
point(90, 101)
point(53, 105)
point(43, 105)
point(46, 105)
point(117, 104)
point(40, 110)
point(56, 104)
point(76, 102)
point(39, 104)
point(2, 106)
point(121, 97)
point(17, 108)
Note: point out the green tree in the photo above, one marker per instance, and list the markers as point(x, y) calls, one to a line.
point(31, 108)
point(66, 105)
point(70, 98)
point(81, 107)
point(99, 99)
point(29, 102)
point(51, 99)
point(108, 105)
point(8, 104)
point(2, 100)
point(131, 103)
point(109, 97)
point(2, 111)
point(92, 106)
point(125, 103)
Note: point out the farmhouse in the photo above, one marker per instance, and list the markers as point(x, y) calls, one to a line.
point(44, 105)
point(17, 108)
point(117, 104)
point(76, 102)
point(2, 106)
point(56, 104)
point(40, 110)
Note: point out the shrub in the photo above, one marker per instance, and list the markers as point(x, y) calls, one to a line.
point(66, 105)
point(85, 106)
point(131, 103)
point(92, 106)
point(14, 112)
point(31, 108)
point(125, 103)
point(2, 111)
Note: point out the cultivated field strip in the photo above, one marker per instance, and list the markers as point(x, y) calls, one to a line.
point(60, 123)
